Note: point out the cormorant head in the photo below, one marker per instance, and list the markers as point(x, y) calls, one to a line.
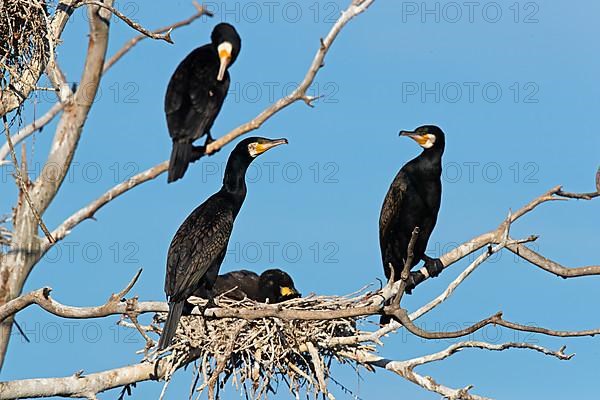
point(427, 136)
point(252, 147)
point(228, 44)
point(276, 286)
point(240, 158)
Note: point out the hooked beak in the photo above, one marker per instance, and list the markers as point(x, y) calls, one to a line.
point(421, 139)
point(224, 50)
point(289, 292)
point(262, 147)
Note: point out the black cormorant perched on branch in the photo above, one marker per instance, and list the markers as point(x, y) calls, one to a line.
point(198, 248)
point(195, 95)
point(413, 200)
point(273, 286)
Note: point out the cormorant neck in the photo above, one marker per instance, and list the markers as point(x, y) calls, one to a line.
point(433, 155)
point(234, 180)
point(427, 164)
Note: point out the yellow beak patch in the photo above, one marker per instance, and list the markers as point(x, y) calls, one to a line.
point(224, 54)
point(286, 291)
point(421, 139)
point(261, 148)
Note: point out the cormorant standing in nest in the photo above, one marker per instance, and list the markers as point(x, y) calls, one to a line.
point(198, 248)
point(412, 200)
point(195, 95)
point(272, 286)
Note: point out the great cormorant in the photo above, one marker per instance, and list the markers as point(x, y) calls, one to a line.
point(272, 286)
point(195, 95)
point(413, 200)
point(198, 248)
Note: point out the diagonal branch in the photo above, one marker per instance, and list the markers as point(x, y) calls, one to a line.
point(70, 126)
point(84, 386)
point(406, 368)
point(158, 36)
point(22, 185)
point(356, 8)
point(12, 98)
point(53, 70)
point(456, 347)
point(551, 266)
point(88, 211)
point(132, 42)
point(464, 275)
point(495, 237)
point(117, 305)
point(27, 131)
point(42, 298)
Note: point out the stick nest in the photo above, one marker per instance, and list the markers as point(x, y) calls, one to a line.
point(24, 39)
point(258, 355)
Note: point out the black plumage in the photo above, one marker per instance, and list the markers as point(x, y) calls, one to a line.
point(272, 286)
point(198, 248)
point(195, 95)
point(412, 200)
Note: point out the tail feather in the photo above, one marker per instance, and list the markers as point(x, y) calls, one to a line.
point(170, 326)
point(181, 155)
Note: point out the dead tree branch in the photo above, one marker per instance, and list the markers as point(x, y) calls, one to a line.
point(21, 183)
point(132, 42)
point(88, 212)
point(53, 71)
point(26, 244)
point(495, 237)
point(28, 130)
point(152, 35)
point(22, 86)
point(83, 386)
point(406, 368)
point(356, 8)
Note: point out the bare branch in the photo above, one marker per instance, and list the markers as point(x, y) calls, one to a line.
point(407, 372)
point(405, 274)
point(88, 211)
point(406, 368)
point(22, 86)
point(27, 131)
point(42, 298)
point(460, 278)
point(73, 118)
point(456, 347)
point(22, 185)
point(158, 36)
point(131, 43)
point(495, 236)
point(83, 386)
point(551, 266)
point(356, 8)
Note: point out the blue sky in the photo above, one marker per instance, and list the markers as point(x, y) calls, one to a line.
point(511, 85)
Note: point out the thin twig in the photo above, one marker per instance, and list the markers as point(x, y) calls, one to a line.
point(22, 185)
point(166, 36)
point(132, 42)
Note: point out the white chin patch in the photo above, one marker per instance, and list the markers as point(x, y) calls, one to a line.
point(430, 141)
point(225, 47)
point(252, 150)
